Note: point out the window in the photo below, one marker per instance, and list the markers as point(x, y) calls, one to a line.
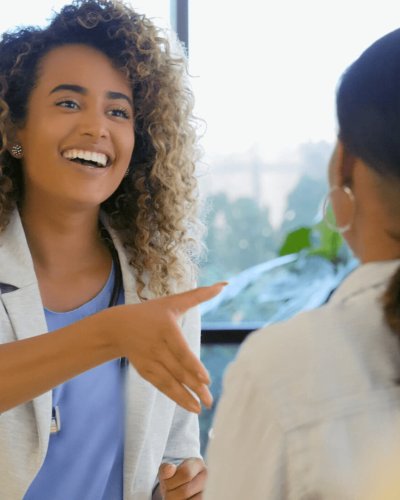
point(264, 76)
point(38, 12)
point(158, 10)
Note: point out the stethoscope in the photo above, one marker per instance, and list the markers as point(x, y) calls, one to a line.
point(55, 425)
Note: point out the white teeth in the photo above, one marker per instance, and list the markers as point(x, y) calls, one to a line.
point(72, 154)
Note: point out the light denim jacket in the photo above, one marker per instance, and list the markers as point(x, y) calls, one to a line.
point(156, 428)
point(311, 407)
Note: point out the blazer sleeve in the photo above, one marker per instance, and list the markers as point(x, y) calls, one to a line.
point(184, 439)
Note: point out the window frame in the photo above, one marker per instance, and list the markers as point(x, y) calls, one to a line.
point(224, 335)
point(179, 17)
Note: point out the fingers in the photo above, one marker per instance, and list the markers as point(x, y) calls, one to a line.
point(205, 396)
point(186, 472)
point(188, 362)
point(170, 365)
point(162, 356)
point(188, 378)
point(184, 301)
point(187, 482)
point(166, 471)
point(163, 380)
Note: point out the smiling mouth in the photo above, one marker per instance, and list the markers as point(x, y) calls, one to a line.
point(87, 158)
point(88, 163)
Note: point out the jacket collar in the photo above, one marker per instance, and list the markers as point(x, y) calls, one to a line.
point(16, 267)
point(24, 307)
point(128, 277)
point(366, 276)
point(17, 270)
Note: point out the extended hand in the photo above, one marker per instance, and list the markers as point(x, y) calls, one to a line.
point(148, 334)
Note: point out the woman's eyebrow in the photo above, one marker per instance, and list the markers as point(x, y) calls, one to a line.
point(119, 95)
point(84, 91)
point(68, 86)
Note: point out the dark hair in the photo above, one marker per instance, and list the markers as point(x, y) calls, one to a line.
point(368, 110)
point(155, 205)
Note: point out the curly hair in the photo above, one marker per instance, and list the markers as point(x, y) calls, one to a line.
point(155, 207)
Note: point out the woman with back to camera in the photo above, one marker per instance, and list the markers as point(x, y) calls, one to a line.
point(311, 406)
point(97, 194)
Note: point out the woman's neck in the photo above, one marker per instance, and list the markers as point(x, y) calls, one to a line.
point(60, 239)
point(71, 261)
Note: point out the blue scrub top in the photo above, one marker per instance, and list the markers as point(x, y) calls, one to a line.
point(84, 460)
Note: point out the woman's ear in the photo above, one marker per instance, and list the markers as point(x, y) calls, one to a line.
point(344, 165)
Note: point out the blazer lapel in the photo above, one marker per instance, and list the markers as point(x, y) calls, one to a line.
point(16, 265)
point(24, 307)
point(140, 399)
point(25, 312)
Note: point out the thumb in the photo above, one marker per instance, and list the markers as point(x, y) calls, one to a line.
point(184, 301)
point(166, 471)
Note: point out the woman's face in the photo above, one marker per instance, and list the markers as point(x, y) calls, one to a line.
point(78, 138)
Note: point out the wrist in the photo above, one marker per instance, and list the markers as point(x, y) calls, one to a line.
point(103, 330)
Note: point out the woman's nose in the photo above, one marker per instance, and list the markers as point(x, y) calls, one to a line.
point(94, 124)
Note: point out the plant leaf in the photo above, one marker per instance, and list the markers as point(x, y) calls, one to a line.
point(296, 241)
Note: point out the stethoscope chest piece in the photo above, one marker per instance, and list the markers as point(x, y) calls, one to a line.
point(55, 420)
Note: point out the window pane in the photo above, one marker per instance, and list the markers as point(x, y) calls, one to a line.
point(157, 10)
point(25, 13)
point(37, 12)
point(264, 77)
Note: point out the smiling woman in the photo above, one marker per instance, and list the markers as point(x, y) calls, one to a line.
point(97, 194)
point(73, 117)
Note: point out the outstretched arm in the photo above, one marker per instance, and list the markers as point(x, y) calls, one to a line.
point(147, 334)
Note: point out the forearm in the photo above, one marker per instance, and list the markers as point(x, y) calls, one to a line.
point(148, 334)
point(33, 366)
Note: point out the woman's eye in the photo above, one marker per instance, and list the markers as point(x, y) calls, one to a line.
point(120, 113)
point(68, 104)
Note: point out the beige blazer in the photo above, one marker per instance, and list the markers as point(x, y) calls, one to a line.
point(156, 428)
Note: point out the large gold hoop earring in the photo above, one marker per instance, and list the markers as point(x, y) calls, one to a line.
point(328, 214)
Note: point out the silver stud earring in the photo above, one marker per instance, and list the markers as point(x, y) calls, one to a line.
point(17, 151)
